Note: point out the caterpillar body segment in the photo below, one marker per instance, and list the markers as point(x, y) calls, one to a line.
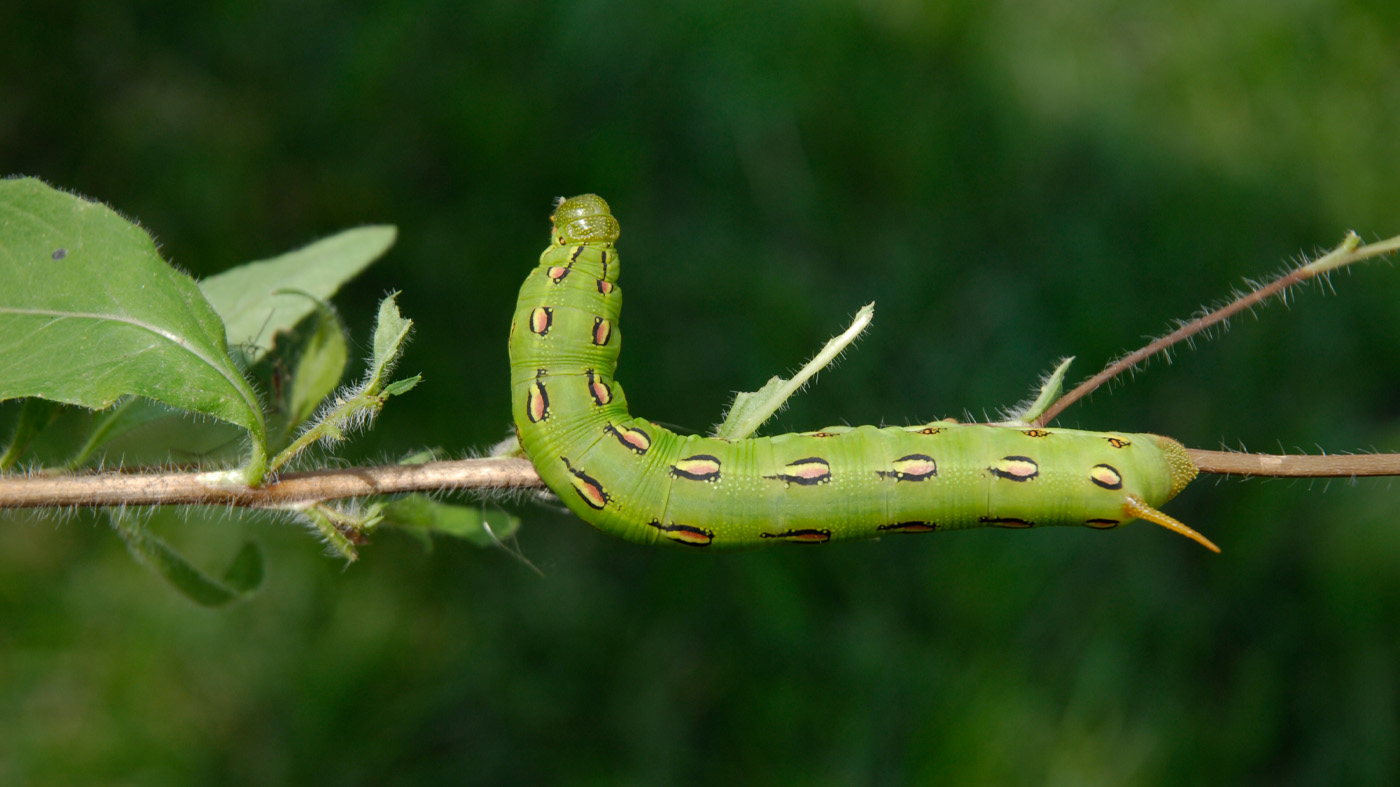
point(631, 478)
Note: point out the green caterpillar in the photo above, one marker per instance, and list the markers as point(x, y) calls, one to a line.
point(629, 477)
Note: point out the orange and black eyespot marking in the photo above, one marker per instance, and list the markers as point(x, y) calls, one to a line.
point(820, 434)
point(929, 430)
point(1118, 442)
point(1102, 524)
point(701, 467)
point(541, 318)
point(587, 487)
point(908, 527)
point(1005, 521)
point(631, 439)
point(1106, 476)
point(1015, 468)
point(604, 287)
point(807, 472)
point(1035, 432)
point(601, 392)
point(914, 467)
point(537, 400)
point(689, 535)
point(801, 536)
point(557, 273)
point(602, 331)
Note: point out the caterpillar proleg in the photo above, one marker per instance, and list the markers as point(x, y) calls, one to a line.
point(631, 478)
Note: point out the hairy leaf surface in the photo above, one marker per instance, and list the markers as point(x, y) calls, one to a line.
point(89, 312)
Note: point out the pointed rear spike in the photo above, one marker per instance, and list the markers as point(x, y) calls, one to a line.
point(1138, 509)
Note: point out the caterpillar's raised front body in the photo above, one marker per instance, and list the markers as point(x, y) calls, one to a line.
point(632, 478)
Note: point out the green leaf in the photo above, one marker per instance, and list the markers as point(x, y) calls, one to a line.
point(1051, 385)
point(472, 523)
point(359, 405)
point(246, 573)
point(90, 313)
point(243, 577)
point(340, 528)
point(320, 367)
point(257, 300)
point(402, 386)
point(750, 410)
point(390, 334)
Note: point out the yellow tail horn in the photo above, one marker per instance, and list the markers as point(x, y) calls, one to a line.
point(1136, 508)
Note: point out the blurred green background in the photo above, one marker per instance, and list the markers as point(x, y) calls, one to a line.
point(1010, 183)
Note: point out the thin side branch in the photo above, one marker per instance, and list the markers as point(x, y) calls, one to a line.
point(1301, 466)
point(291, 490)
point(1345, 254)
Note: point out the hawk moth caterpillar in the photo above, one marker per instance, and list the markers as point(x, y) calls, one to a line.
point(631, 478)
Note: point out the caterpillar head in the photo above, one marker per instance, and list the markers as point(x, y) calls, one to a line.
point(584, 219)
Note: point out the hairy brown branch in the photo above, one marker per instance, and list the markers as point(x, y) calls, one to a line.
point(290, 490)
point(1300, 466)
point(296, 489)
point(1344, 254)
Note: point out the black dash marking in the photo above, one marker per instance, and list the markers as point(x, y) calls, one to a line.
point(1006, 521)
point(801, 536)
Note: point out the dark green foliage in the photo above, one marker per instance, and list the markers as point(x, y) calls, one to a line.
point(1011, 183)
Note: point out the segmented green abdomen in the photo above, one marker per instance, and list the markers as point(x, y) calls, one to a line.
point(634, 479)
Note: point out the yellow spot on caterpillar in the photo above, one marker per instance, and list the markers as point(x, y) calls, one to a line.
point(537, 402)
point(1106, 476)
point(701, 467)
point(602, 331)
point(1015, 468)
point(1035, 432)
point(600, 391)
point(589, 490)
point(914, 467)
point(540, 319)
point(807, 472)
point(688, 535)
point(633, 439)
